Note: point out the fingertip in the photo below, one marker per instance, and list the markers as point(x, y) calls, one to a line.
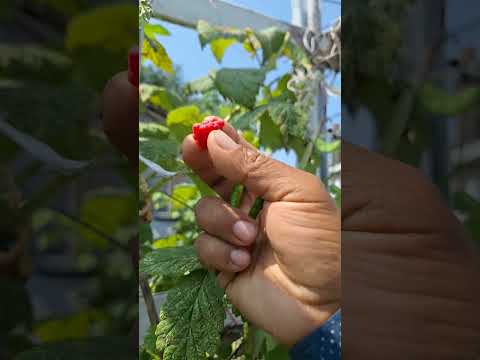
point(189, 149)
point(240, 259)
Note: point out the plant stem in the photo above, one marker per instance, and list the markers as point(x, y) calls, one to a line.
point(237, 195)
point(256, 208)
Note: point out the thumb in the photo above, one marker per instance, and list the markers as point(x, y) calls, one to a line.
point(262, 175)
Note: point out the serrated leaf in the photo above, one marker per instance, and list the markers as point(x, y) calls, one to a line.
point(271, 41)
point(152, 30)
point(153, 130)
point(240, 85)
point(159, 97)
point(156, 53)
point(440, 102)
point(327, 147)
point(181, 120)
point(288, 117)
point(99, 348)
point(175, 261)
point(162, 152)
point(149, 342)
point(192, 318)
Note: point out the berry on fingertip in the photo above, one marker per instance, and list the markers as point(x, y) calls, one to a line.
point(201, 131)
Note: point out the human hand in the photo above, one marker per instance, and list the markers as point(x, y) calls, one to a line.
point(295, 284)
point(410, 273)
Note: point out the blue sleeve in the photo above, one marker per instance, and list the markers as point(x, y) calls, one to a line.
point(323, 344)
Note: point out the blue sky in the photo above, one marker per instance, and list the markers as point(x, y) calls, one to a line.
point(184, 48)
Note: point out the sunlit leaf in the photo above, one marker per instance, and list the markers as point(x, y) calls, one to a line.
point(152, 30)
point(173, 261)
point(327, 147)
point(181, 120)
point(156, 53)
point(182, 194)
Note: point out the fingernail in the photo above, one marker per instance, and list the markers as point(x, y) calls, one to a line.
point(245, 231)
point(224, 141)
point(240, 258)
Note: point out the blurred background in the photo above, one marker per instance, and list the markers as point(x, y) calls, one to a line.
point(67, 198)
point(411, 90)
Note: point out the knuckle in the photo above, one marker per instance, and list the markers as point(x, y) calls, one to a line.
point(253, 161)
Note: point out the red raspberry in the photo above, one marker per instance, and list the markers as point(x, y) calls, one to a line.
point(201, 131)
point(133, 66)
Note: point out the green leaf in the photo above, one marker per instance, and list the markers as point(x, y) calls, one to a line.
point(251, 138)
point(240, 85)
point(337, 194)
point(248, 119)
point(270, 134)
point(288, 117)
point(163, 152)
point(153, 130)
point(203, 84)
point(108, 27)
point(181, 120)
point(99, 348)
point(271, 41)
point(156, 53)
point(220, 46)
point(182, 194)
point(279, 353)
point(153, 30)
point(175, 261)
point(159, 97)
point(191, 320)
point(327, 147)
point(149, 342)
point(145, 234)
point(219, 38)
point(167, 242)
point(440, 102)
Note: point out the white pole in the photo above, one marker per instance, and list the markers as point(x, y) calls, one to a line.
point(298, 12)
point(319, 112)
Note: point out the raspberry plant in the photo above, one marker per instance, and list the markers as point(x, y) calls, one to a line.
point(271, 117)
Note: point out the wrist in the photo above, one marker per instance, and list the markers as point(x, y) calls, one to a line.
point(314, 318)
